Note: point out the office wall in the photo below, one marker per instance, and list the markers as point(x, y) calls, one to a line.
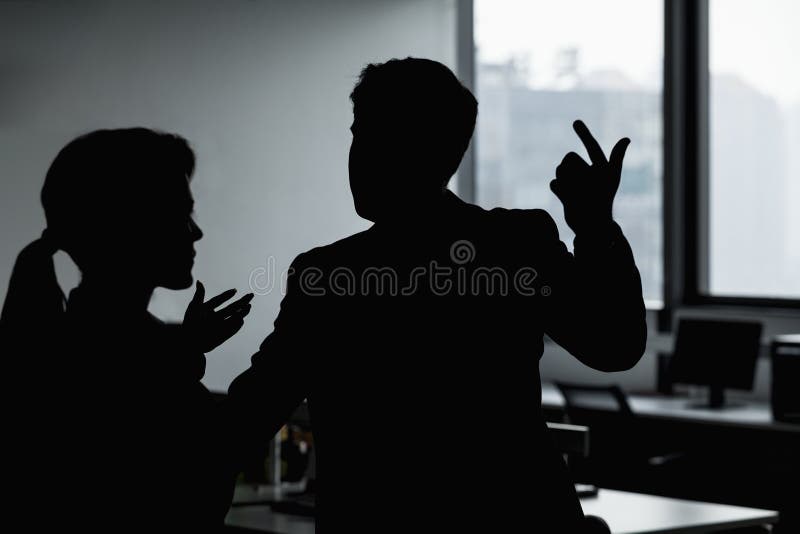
point(259, 87)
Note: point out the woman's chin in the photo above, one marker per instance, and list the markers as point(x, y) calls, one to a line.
point(177, 282)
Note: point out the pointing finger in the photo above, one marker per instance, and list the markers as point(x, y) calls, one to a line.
point(591, 144)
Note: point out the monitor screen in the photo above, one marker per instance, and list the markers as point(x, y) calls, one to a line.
point(713, 352)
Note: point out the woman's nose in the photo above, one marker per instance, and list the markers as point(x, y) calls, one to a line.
point(195, 230)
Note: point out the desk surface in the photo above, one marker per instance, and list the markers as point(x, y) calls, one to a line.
point(635, 513)
point(757, 415)
point(626, 513)
point(260, 518)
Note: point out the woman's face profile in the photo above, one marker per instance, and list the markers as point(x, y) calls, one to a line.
point(174, 241)
point(161, 239)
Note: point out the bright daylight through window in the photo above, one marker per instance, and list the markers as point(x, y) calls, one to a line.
point(540, 66)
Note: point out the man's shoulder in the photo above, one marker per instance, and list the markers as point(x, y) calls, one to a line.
point(527, 223)
point(498, 224)
point(468, 214)
point(336, 252)
point(530, 216)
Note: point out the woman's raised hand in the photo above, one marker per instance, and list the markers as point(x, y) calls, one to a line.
point(207, 327)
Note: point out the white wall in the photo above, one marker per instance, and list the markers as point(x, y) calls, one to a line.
point(260, 88)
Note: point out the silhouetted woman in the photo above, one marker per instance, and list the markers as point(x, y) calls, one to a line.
point(109, 428)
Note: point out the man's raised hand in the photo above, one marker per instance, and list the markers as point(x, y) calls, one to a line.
point(587, 191)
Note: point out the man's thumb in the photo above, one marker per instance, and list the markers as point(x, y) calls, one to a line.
point(618, 153)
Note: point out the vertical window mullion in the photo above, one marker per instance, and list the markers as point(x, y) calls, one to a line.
point(677, 49)
point(702, 147)
point(465, 67)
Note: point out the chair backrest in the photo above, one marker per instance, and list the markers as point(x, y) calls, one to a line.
point(584, 397)
point(570, 439)
point(607, 413)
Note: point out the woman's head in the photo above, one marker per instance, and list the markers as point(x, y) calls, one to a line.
point(118, 202)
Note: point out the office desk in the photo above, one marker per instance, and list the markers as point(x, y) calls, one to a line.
point(260, 518)
point(738, 454)
point(635, 513)
point(752, 415)
point(626, 513)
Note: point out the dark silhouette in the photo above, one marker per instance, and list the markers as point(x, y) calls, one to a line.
point(109, 423)
point(431, 323)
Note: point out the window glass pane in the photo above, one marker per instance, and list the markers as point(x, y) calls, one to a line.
point(542, 64)
point(754, 188)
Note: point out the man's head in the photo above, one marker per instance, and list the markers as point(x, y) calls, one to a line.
point(412, 122)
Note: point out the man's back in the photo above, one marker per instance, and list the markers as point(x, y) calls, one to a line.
point(417, 342)
point(417, 347)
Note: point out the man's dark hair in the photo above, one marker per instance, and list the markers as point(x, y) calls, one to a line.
point(423, 105)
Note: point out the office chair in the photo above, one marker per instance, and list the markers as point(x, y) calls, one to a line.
point(620, 452)
point(573, 439)
point(579, 397)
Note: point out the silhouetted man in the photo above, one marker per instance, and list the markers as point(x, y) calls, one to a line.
point(426, 329)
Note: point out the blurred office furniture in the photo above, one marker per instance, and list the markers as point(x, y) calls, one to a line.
point(285, 478)
point(582, 397)
point(573, 442)
point(570, 439)
point(740, 455)
point(262, 518)
point(624, 512)
point(664, 384)
point(609, 454)
point(620, 450)
point(786, 378)
point(714, 353)
point(658, 408)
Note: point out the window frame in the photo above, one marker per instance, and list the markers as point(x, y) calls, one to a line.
point(687, 148)
point(685, 187)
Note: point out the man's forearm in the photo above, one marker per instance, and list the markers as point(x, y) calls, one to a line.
point(608, 297)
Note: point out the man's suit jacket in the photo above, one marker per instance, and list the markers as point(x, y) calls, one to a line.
point(417, 346)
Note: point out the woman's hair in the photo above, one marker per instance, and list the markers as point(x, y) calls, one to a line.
point(97, 178)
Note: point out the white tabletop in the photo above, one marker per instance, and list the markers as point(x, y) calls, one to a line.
point(626, 513)
point(635, 513)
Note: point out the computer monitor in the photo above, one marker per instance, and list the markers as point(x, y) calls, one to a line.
point(717, 354)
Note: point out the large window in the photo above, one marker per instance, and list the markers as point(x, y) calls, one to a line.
point(754, 149)
point(541, 64)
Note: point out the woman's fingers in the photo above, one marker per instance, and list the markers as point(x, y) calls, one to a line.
point(236, 306)
point(199, 294)
point(229, 328)
point(241, 311)
point(213, 302)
